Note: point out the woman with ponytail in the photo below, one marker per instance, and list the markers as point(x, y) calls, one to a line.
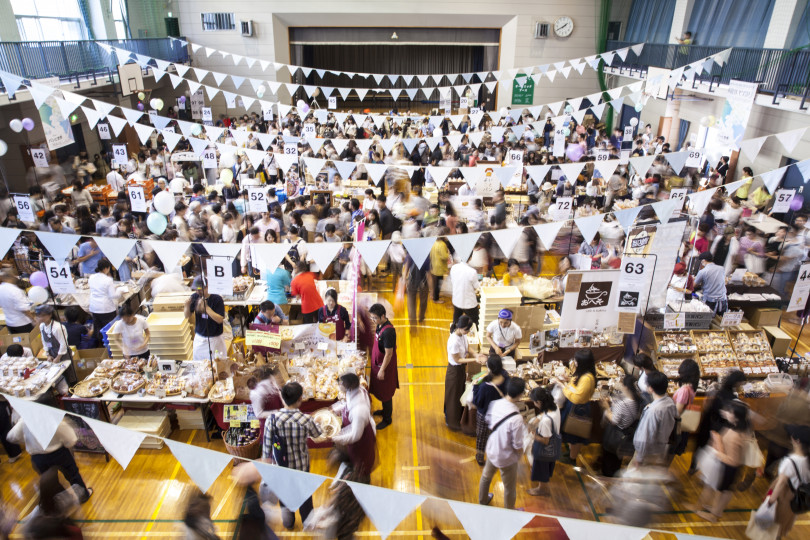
point(458, 356)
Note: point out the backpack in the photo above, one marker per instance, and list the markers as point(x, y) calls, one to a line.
point(800, 503)
point(278, 446)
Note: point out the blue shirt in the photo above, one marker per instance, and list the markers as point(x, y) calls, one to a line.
point(713, 280)
point(276, 283)
point(89, 266)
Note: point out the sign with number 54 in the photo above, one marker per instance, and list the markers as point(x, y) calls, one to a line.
point(59, 277)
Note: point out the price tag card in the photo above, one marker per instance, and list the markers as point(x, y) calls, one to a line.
point(120, 154)
point(309, 130)
point(781, 200)
point(291, 149)
point(695, 158)
point(463, 103)
point(136, 198)
point(574, 282)
point(59, 277)
point(299, 346)
point(160, 393)
point(323, 346)
point(602, 156)
point(332, 102)
point(562, 208)
point(732, 318)
point(24, 209)
point(674, 321)
point(255, 424)
point(268, 115)
point(516, 157)
point(40, 157)
point(798, 298)
point(559, 141)
point(103, 131)
point(235, 423)
point(220, 276)
point(262, 339)
point(256, 199)
point(627, 323)
point(209, 156)
point(207, 114)
point(680, 195)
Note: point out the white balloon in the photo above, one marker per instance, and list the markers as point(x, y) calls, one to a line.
point(38, 295)
point(227, 160)
point(504, 111)
point(634, 121)
point(438, 132)
point(164, 203)
point(301, 104)
point(16, 125)
point(3, 148)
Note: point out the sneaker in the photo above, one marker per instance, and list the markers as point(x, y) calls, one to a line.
point(536, 492)
point(489, 499)
point(15, 458)
point(384, 424)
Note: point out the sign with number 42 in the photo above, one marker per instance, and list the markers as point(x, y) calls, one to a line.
point(40, 157)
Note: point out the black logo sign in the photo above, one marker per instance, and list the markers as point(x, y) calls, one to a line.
point(594, 295)
point(628, 299)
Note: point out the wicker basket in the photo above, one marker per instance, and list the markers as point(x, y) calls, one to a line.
point(248, 451)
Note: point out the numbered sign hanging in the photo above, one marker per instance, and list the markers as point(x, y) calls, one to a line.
point(40, 157)
point(24, 209)
point(257, 202)
point(103, 131)
point(291, 149)
point(59, 277)
point(332, 102)
point(782, 200)
point(137, 199)
point(209, 158)
point(220, 276)
point(678, 194)
point(120, 154)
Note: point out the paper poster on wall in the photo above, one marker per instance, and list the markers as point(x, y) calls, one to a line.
point(488, 183)
point(731, 125)
point(592, 306)
point(197, 104)
point(58, 132)
point(522, 94)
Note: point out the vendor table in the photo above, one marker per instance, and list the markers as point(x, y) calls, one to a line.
point(57, 371)
point(744, 289)
point(764, 223)
point(600, 354)
point(82, 298)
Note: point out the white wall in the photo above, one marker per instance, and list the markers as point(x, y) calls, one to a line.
point(516, 19)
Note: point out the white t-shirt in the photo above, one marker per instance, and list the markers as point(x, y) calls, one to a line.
point(504, 337)
point(544, 427)
point(464, 280)
point(15, 304)
point(178, 185)
point(786, 469)
point(103, 294)
point(133, 336)
point(456, 345)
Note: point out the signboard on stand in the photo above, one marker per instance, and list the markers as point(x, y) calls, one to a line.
point(591, 305)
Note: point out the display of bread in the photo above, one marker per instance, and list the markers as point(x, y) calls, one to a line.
point(242, 284)
point(127, 382)
point(222, 391)
point(328, 421)
point(712, 342)
point(90, 388)
point(172, 385)
point(676, 343)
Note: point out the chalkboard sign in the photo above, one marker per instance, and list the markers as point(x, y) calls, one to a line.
point(87, 440)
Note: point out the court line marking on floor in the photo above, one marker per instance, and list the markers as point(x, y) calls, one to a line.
point(418, 468)
point(166, 489)
point(672, 503)
point(224, 499)
point(587, 496)
point(413, 431)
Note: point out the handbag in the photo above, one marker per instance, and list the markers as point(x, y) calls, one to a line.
point(765, 515)
point(578, 424)
point(710, 467)
point(619, 441)
point(469, 420)
point(754, 263)
point(551, 451)
point(755, 532)
point(690, 418)
point(752, 455)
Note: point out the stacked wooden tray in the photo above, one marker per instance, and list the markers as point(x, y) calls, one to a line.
point(493, 300)
point(154, 423)
point(170, 335)
point(189, 419)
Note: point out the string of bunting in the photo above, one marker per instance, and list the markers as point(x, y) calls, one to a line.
point(385, 508)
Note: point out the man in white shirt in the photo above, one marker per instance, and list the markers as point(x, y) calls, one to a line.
point(503, 335)
point(266, 223)
point(179, 185)
point(16, 306)
point(464, 279)
point(115, 180)
point(505, 444)
point(154, 165)
point(245, 256)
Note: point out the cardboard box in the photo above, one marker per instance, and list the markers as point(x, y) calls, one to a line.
point(529, 318)
point(779, 339)
point(170, 302)
point(32, 340)
point(86, 360)
point(760, 317)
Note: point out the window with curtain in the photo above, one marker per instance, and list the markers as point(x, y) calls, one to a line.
point(119, 18)
point(46, 20)
point(650, 21)
point(730, 23)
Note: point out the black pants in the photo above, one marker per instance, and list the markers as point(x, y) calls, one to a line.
point(100, 320)
point(437, 287)
point(20, 329)
point(310, 318)
point(472, 313)
point(611, 463)
point(288, 516)
point(387, 410)
point(63, 460)
point(13, 450)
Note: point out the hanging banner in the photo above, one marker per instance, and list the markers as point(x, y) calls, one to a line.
point(663, 241)
point(256, 199)
point(523, 94)
point(220, 276)
point(487, 183)
point(731, 125)
point(798, 299)
point(591, 305)
point(197, 104)
point(60, 278)
point(58, 132)
point(782, 200)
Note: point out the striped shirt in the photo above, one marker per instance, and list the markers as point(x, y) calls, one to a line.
point(294, 427)
point(624, 411)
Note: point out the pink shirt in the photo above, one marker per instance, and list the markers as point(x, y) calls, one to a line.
point(685, 395)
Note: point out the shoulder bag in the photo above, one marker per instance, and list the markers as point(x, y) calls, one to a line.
point(551, 451)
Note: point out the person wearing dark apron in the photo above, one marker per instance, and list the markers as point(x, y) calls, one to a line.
point(54, 341)
point(332, 312)
point(384, 377)
point(358, 438)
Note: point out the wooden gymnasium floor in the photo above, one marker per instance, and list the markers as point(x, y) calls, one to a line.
point(418, 455)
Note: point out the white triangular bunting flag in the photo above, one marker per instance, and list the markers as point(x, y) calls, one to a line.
point(804, 169)
point(491, 523)
point(285, 161)
point(211, 92)
point(589, 226)
point(772, 179)
point(160, 122)
point(439, 174)
point(376, 171)
point(169, 253)
point(291, 486)
point(256, 157)
point(222, 250)
point(144, 132)
point(132, 115)
point(790, 139)
point(472, 175)
point(59, 245)
point(566, 71)
point(571, 171)
point(548, 232)
point(345, 168)
point(505, 174)
point(577, 529)
point(642, 164)
point(323, 253)
point(117, 124)
point(700, 200)
point(41, 420)
point(664, 209)
point(411, 93)
point(507, 239)
point(201, 73)
point(751, 147)
point(115, 249)
point(395, 93)
point(361, 93)
point(186, 128)
point(606, 168)
point(463, 245)
point(555, 107)
point(7, 239)
point(268, 256)
point(372, 252)
point(203, 466)
point(454, 140)
point(538, 173)
point(39, 93)
point(198, 145)
point(315, 144)
point(386, 508)
point(92, 115)
point(677, 160)
point(637, 49)
point(344, 92)
point(340, 145)
point(314, 165)
point(119, 442)
point(579, 115)
point(66, 108)
point(12, 83)
point(419, 248)
point(734, 186)
point(388, 145)
point(627, 216)
point(477, 136)
point(363, 144)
